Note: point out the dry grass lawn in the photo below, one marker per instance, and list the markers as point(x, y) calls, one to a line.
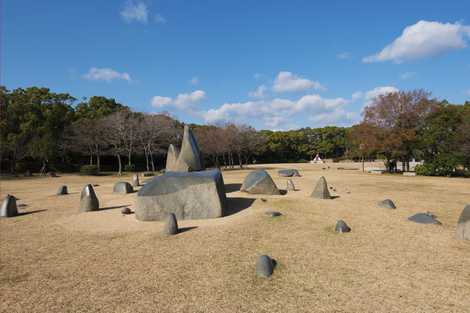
point(57, 260)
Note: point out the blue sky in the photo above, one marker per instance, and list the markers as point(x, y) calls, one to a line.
point(271, 64)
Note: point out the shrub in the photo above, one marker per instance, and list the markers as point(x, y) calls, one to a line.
point(129, 168)
point(21, 167)
point(89, 170)
point(435, 169)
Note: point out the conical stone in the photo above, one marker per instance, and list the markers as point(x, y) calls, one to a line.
point(321, 190)
point(88, 200)
point(264, 266)
point(171, 225)
point(342, 227)
point(9, 207)
point(62, 190)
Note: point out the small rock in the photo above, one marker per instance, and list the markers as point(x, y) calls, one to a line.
point(62, 191)
point(135, 180)
point(386, 204)
point(264, 266)
point(263, 199)
point(122, 187)
point(171, 225)
point(424, 218)
point(9, 208)
point(126, 211)
point(342, 227)
point(273, 213)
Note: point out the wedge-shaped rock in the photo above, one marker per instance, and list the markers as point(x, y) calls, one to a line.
point(135, 180)
point(122, 187)
point(9, 207)
point(342, 227)
point(291, 172)
point(463, 225)
point(321, 190)
point(171, 158)
point(264, 266)
point(88, 199)
point(386, 204)
point(259, 182)
point(194, 195)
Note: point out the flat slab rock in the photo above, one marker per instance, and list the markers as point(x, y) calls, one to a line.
point(259, 182)
point(189, 195)
point(424, 218)
point(291, 172)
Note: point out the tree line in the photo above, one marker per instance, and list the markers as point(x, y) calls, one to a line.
point(45, 131)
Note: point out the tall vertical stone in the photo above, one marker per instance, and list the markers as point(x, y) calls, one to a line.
point(9, 207)
point(88, 199)
point(135, 180)
point(189, 158)
point(171, 225)
point(321, 190)
point(463, 225)
point(172, 157)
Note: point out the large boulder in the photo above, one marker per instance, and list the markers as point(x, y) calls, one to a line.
point(122, 187)
point(189, 158)
point(194, 195)
point(321, 190)
point(289, 172)
point(88, 199)
point(9, 207)
point(259, 182)
point(463, 225)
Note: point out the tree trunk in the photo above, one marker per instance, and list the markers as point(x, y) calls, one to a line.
point(147, 159)
point(129, 155)
point(120, 164)
point(151, 161)
point(98, 161)
point(91, 158)
point(240, 160)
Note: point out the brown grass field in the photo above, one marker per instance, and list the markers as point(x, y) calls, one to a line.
point(58, 260)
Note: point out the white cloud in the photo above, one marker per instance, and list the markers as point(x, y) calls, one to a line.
point(407, 75)
point(467, 92)
point(423, 39)
point(183, 101)
point(105, 74)
point(135, 11)
point(273, 113)
point(194, 80)
point(378, 91)
point(357, 95)
point(287, 82)
point(159, 19)
point(343, 55)
point(259, 92)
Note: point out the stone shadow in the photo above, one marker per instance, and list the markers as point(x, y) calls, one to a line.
point(183, 229)
point(235, 205)
point(232, 187)
point(113, 207)
point(31, 212)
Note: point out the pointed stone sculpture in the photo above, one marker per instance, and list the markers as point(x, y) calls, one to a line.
point(172, 157)
point(342, 227)
point(88, 200)
point(135, 180)
point(463, 225)
point(290, 185)
point(321, 190)
point(9, 207)
point(259, 182)
point(62, 190)
point(122, 187)
point(171, 225)
point(264, 266)
point(189, 158)
point(386, 204)
point(289, 172)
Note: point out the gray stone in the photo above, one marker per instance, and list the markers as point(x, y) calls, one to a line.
point(259, 182)
point(189, 158)
point(171, 225)
point(28, 173)
point(386, 204)
point(52, 174)
point(193, 195)
point(290, 185)
point(463, 225)
point(171, 158)
point(264, 266)
point(289, 172)
point(321, 190)
point(62, 190)
point(88, 200)
point(122, 187)
point(135, 180)
point(273, 213)
point(126, 211)
point(424, 218)
point(342, 227)
point(9, 207)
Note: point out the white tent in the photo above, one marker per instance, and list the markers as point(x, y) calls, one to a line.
point(317, 159)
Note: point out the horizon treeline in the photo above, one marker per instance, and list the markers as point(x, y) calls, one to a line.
point(44, 131)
